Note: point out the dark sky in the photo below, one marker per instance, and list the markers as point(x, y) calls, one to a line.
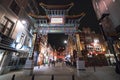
point(57, 40)
point(80, 6)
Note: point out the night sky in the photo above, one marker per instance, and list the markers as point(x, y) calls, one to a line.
point(57, 40)
point(80, 6)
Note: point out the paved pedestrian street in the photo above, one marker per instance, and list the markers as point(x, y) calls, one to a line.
point(65, 73)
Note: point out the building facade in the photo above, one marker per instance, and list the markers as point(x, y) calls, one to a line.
point(15, 33)
point(92, 47)
point(107, 12)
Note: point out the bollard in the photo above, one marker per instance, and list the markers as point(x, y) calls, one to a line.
point(13, 77)
point(33, 77)
point(52, 78)
point(73, 77)
point(94, 68)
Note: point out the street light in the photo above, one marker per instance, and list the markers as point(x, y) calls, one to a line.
point(65, 41)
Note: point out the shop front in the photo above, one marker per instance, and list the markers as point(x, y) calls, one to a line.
point(1, 55)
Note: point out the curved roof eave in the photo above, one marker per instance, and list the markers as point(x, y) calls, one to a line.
point(45, 6)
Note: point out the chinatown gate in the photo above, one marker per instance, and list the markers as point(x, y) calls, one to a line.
point(56, 20)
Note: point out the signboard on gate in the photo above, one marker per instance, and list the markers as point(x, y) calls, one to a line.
point(57, 20)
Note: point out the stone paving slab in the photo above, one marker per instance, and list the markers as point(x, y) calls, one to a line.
point(43, 77)
point(65, 73)
point(101, 73)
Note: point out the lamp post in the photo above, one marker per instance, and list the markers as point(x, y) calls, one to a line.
point(109, 40)
point(65, 42)
point(53, 51)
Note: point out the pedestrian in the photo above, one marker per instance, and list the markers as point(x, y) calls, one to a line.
point(53, 62)
point(50, 61)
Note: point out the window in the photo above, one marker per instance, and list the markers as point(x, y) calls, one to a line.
point(105, 5)
point(22, 38)
point(15, 8)
point(3, 21)
point(97, 5)
point(113, 0)
point(27, 41)
point(1, 27)
point(6, 26)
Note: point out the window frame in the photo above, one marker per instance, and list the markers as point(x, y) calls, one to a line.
point(7, 26)
point(14, 7)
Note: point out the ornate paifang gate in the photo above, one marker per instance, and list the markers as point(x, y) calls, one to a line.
point(57, 20)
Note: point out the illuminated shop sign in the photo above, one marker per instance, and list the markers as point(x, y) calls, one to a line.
point(57, 20)
point(20, 40)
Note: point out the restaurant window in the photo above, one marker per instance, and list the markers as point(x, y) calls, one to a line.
point(6, 26)
point(14, 7)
